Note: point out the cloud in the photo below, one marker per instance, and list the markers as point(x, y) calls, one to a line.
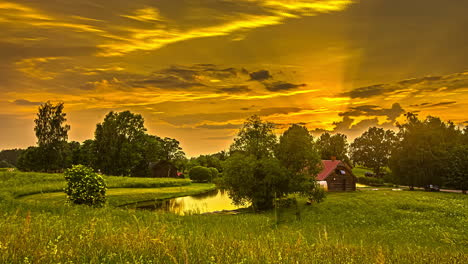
point(24, 102)
point(238, 89)
point(428, 105)
point(282, 86)
point(372, 110)
point(148, 14)
point(246, 15)
point(227, 126)
point(412, 87)
point(260, 75)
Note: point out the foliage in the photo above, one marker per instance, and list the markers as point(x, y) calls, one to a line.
point(171, 150)
point(255, 181)
point(84, 186)
point(11, 155)
point(255, 138)
point(6, 164)
point(373, 148)
point(298, 154)
point(50, 128)
point(200, 174)
point(52, 153)
point(333, 146)
point(457, 171)
point(421, 156)
point(214, 173)
point(212, 161)
point(371, 181)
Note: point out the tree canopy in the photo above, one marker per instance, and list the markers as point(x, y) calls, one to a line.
point(333, 146)
point(373, 148)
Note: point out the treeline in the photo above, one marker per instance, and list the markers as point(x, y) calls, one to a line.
point(121, 145)
point(421, 153)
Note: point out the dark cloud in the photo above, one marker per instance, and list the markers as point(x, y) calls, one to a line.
point(282, 86)
point(260, 75)
point(428, 105)
point(238, 89)
point(25, 102)
point(166, 82)
point(191, 119)
point(372, 110)
point(225, 126)
point(413, 86)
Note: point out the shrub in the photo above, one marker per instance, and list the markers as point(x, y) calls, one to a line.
point(84, 186)
point(200, 174)
point(214, 173)
point(370, 181)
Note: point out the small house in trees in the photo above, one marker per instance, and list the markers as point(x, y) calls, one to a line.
point(163, 169)
point(336, 176)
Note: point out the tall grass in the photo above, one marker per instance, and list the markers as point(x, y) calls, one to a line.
point(359, 227)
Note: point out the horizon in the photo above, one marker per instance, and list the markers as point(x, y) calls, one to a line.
point(195, 71)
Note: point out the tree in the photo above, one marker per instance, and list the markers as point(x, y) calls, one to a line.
point(11, 155)
point(50, 128)
point(118, 143)
point(420, 157)
point(333, 146)
point(457, 171)
point(259, 170)
point(52, 135)
point(255, 138)
point(171, 150)
point(200, 174)
point(255, 181)
point(373, 148)
point(298, 153)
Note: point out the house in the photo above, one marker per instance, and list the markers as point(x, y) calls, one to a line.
point(336, 176)
point(163, 169)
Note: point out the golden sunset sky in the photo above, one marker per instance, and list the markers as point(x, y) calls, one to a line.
point(195, 69)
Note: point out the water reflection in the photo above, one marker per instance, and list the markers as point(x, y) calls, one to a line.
point(216, 200)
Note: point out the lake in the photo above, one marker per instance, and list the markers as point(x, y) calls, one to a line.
point(216, 200)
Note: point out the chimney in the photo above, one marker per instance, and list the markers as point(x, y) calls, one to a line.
point(333, 158)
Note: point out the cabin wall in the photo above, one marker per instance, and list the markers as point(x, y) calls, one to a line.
point(338, 182)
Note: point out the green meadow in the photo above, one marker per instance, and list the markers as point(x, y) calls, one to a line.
point(384, 226)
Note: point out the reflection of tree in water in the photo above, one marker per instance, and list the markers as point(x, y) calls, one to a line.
point(202, 196)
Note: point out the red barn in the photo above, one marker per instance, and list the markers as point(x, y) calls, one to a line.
point(337, 175)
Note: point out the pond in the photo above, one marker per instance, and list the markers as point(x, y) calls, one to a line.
point(212, 201)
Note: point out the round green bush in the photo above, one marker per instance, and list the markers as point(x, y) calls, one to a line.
point(84, 186)
point(200, 174)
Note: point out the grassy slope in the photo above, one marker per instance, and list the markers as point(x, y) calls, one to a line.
point(359, 227)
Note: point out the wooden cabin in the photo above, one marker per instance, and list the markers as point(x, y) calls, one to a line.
point(163, 169)
point(337, 175)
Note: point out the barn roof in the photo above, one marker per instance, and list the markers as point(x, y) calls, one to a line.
point(329, 166)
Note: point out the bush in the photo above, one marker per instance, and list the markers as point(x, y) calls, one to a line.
point(370, 181)
point(84, 186)
point(214, 173)
point(200, 174)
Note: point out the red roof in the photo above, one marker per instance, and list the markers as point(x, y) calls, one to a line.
point(329, 166)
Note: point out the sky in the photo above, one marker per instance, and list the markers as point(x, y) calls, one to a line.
point(195, 70)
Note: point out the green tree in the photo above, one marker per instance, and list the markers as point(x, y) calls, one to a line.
point(118, 143)
point(421, 157)
point(52, 134)
point(333, 146)
point(11, 155)
point(298, 153)
point(255, 181)
point(373, 148)
point(50, 128)
point(200, 174)
point(457, 171)
point(255, 138)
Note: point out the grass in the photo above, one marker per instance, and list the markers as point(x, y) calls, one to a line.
point(17, 184)
point(355, 227)
point(122, 196)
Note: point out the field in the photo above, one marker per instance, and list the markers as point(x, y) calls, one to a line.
point(361, 227)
